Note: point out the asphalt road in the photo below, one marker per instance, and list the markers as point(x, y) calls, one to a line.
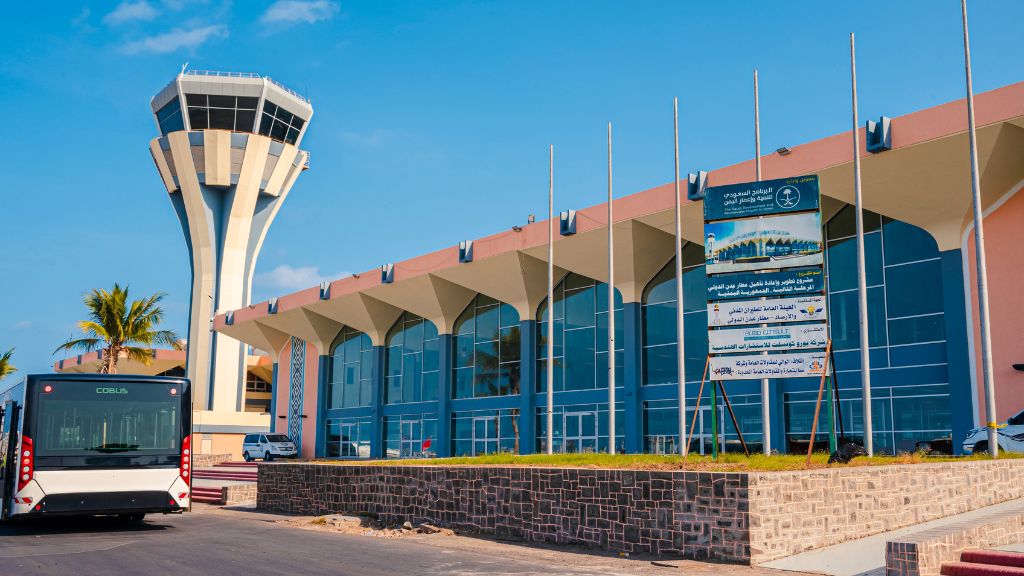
point(244, 543)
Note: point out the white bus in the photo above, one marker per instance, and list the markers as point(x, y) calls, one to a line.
point(91, 444)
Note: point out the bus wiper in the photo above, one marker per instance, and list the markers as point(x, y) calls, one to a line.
point(108, 448)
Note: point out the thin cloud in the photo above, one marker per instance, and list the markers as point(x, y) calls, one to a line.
point(23, 325)
point(131, 12)
point(177, 39)
point(286, 277)
point(375, 138)
point(299, 11)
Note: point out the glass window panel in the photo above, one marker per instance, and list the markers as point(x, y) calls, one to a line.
point(508, 316)
point(573, 281)
point(579, 309)
point(695, 294)
point(907, 243)
point(413, 337)
point(695, 344)
point(464, 383)
point(659, 323)
point(844, 223)
point(244, 120)
point(366, 364)
point(486, 356)
point(266, 122)
point(279, 130)
point(196, 100)
point(922, 413)
point(429, 330)
point(431, 354)
point(292, 136)
point(660, 365)
point(411, 378)
point(198, 118)
point(844, 322)
point(905, 289)
point(917, 329)
point(580, 359)
point(465, 323)
point(509, 344)
point(842, 262)
point(512, 373)
point(394, 389)
point(269, 107)
point(248, 102)
point(463, 351)
point(351, 394)
point(430, 386)
point(283, 115)
point(394, 361)
point(487, 323)
point(222, 119)
point(663, 287)
point(221, 101)
point(365, 392)
point(298, 123)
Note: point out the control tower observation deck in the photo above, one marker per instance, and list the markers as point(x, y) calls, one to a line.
point(228, 154)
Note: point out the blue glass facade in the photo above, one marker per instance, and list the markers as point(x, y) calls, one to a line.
point(482, 389)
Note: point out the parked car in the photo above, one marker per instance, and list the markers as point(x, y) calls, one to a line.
point(268, 447)
point(1011, 436)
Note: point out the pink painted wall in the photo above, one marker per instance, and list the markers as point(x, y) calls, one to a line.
point(1004, 251)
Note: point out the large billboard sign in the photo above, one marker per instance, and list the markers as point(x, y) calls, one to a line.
point(762, 198)
point(764, 260)
point(769, 338)
point(754, 285)
point(779, 310)
point(758, 366)
point(768, 243)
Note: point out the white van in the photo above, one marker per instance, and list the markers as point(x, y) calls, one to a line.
point(268, 447)
point(1010, 436)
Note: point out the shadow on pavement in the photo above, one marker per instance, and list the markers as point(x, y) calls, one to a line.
point(81, 525)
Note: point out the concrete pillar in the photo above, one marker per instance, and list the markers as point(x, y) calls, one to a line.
point(323, 379)
point(377, 403)
point(527, 386)
point(961, 389)
point(443, 447)
point(632, 336)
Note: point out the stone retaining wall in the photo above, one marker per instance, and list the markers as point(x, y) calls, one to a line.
point(923, 554)
point(735, 517)
point(209, 460)
point(792, 512)
point(239, 493)
point(698, 515)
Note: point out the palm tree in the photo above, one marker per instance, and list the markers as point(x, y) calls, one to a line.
point(117, 326)
point(6, 368)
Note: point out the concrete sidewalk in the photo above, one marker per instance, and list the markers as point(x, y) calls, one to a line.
point(866, 556)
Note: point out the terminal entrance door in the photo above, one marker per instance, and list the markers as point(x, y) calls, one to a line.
point(485, 435)
point(412, 438)
point(580, 432)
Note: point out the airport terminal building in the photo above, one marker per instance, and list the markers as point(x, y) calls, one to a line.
point(444, 354)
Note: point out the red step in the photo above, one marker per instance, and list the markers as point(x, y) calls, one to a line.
point(993, 557)
point(972, 569)
point(238, 464)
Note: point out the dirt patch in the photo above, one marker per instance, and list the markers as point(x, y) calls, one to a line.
point(363, 526)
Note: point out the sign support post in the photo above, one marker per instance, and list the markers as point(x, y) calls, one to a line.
point(817, 405)
point(696, 408)
point(714, 420)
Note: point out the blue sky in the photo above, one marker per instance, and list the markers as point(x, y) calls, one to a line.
point(432, 119)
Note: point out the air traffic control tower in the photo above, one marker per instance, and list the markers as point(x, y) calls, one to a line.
point(228, 154)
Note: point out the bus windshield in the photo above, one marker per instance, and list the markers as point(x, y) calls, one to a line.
point(82, 418)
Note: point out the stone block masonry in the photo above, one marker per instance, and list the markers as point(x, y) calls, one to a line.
point(734, 517)
point(697, 515)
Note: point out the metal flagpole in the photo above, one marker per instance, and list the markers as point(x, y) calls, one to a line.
point(862, 290)
point(551, 300)
point(766, 413)
point(979, 249)
point(680, 328)
point(611, 305)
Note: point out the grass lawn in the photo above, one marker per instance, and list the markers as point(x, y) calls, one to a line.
point(727, 462)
